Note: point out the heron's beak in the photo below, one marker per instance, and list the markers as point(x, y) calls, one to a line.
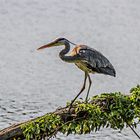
point(49, 45)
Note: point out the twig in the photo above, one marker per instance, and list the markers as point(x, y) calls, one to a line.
point(58, 128)
point(133, 130)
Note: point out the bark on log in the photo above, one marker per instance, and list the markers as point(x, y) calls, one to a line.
point(15, 131)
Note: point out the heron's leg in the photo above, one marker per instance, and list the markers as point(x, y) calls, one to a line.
point(82, 89)
point(90, 82)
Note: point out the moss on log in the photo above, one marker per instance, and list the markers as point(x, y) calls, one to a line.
point(114, 110)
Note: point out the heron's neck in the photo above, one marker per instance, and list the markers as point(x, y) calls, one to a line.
point(64, 57)
point(63, 53)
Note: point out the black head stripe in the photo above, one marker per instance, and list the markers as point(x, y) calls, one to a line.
point(64, 39)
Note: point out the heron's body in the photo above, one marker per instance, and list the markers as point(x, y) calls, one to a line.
point(83, 67)
point(81, 64)
point(87, 59)
point(91, 61)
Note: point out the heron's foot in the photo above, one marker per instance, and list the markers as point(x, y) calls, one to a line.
point(69, 109)
point(86, 100)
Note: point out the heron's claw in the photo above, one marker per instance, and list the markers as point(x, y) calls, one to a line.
point(86, 100)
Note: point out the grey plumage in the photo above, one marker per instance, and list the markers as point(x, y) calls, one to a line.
point(96, 61)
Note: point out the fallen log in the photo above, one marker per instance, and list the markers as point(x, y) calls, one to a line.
point(114, 110)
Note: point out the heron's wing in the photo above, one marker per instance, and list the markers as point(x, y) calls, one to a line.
point(95, 60)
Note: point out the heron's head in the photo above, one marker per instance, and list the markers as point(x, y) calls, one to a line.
point(57, 42)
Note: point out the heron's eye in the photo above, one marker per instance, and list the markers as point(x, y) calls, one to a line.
point(82, 51)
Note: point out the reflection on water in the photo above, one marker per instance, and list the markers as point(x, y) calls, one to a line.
point(33, 83)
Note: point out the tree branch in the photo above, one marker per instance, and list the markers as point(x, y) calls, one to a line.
point(114, 110)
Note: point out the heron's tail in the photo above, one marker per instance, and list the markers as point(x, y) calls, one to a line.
point(108, 71)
